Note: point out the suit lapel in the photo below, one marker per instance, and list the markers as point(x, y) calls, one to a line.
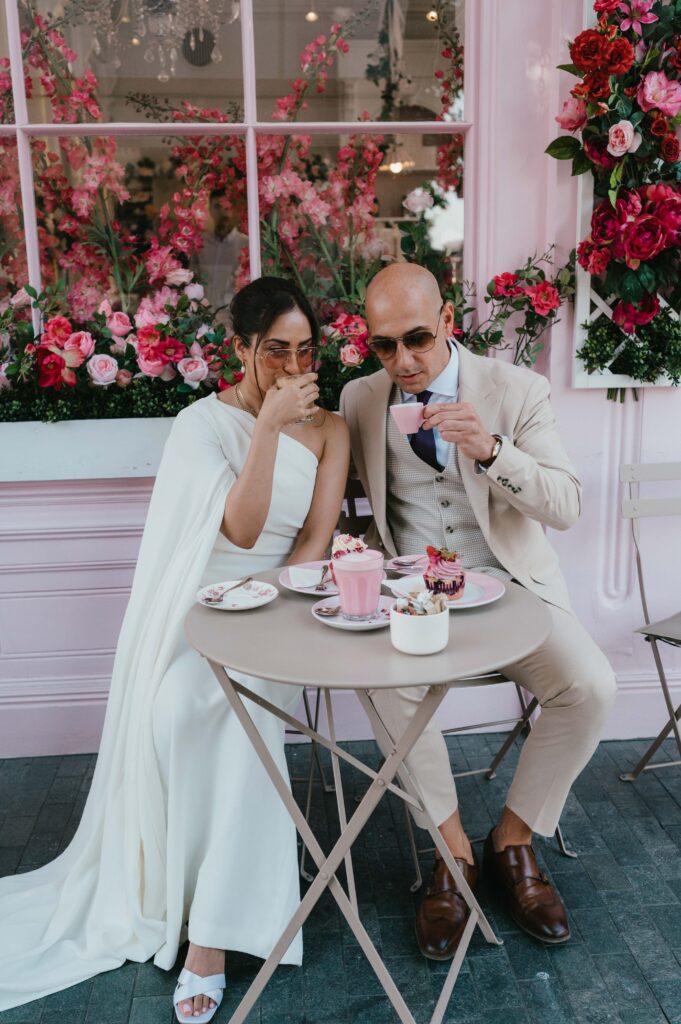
point(476, 387)
point(371, 415)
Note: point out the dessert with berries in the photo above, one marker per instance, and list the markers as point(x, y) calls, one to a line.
point(444, 573)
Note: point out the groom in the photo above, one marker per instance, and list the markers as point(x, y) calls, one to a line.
point(483, 476)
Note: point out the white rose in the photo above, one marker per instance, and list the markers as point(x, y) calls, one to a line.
point(194, 291)
point(417, 201)
point(179, 276)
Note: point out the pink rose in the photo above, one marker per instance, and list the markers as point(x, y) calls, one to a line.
point(119, 324)
point(194, 291)
point(417, 201)
point(103, 370)
point(623, 139)
point(350, 355)
point(153, 367)
point(179, 276)
point(123, 378)
point(193, 370)
point(657, 92)
point(105, 307)
point(82, 344)
point(573, 115)
point(20, 299)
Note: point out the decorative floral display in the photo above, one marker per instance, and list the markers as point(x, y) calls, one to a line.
point(626, 108)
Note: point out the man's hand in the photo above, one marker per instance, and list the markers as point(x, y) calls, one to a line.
point(459, 423)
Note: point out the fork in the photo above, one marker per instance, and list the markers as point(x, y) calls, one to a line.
point(234, 586)
point(321, 586)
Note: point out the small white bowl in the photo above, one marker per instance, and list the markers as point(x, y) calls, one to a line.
point(419, 634)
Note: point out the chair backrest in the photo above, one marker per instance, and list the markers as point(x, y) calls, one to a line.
point(351, 520)
point(636, 508)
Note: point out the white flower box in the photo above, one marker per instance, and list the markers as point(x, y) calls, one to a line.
point(82, 449)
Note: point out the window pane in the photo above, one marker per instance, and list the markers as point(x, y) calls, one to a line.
point(332, 214)
point(12, 250)
point(393, 51)
point(136, 218)
point(133, 61)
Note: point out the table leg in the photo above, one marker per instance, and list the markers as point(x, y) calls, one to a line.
point(340, 801)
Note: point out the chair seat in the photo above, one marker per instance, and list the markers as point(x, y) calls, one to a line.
point(665, 629)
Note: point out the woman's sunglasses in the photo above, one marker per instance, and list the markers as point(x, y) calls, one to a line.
point(416, 341)
point(277, 358)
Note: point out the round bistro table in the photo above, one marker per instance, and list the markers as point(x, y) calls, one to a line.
point(283, 642)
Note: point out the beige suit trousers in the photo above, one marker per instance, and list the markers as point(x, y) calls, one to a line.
point(575, 686)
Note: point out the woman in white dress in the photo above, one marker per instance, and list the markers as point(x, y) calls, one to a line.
point(183, 835)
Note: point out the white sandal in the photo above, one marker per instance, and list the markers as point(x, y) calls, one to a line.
point(190, 985)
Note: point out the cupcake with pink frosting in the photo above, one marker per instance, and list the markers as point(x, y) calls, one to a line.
point(444, 573)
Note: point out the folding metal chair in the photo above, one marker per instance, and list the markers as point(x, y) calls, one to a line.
point(667, 630)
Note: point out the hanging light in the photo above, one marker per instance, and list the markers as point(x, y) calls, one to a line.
point(431, 15)
point(136, 41)
point(311, 15)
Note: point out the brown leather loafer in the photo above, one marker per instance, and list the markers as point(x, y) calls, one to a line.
point(443, 912)
point(526, 892)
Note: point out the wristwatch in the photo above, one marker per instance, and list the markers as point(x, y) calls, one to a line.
point(495, 451)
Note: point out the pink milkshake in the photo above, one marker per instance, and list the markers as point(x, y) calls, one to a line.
point(359, 576)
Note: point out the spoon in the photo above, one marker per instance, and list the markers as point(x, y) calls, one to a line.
point(327, 611)
point(234, 586)
point(321, 586)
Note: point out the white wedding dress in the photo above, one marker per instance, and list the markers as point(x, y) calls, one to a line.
point(183, 834)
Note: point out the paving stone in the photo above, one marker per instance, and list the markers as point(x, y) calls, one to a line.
point(623, 894)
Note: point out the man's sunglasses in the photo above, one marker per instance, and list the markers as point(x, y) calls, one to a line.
point(416, 341)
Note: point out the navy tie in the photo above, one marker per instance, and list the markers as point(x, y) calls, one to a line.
point(423, 441)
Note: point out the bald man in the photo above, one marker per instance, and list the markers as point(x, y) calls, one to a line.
point(483, 476)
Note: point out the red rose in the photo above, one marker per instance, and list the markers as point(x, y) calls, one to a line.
point(171, 350)
point(628, 206)
point(643, 239)
point(629, 317)
point(544, 297)
point(50, 366)
point(606, 6)
point(57, 330)
point(589, 50)
point(592, 258)
point(660, 125)
point(620, 57)
point(669, 149)
point(597, 152)
point(604, 224)
point(597, 84)
point(668, 211)
point(504, 285)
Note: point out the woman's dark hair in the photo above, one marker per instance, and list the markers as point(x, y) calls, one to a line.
point(255, 308)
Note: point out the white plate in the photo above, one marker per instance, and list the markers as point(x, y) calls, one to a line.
point(382, 617)
point(330, 587)
point(480, 589)
point(416, 563)
point(251, 595)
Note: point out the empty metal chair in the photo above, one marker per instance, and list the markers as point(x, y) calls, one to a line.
point(667, 630)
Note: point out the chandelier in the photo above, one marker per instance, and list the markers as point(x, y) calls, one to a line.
point(162, 28)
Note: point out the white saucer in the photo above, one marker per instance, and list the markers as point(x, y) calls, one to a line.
point(382, 617)
point(330, 587)
point(480, 589)
point(251, 595)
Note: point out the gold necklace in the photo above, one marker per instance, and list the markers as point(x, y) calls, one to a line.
point(244, 406)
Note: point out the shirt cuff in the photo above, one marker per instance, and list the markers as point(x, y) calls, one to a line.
point(483, 469)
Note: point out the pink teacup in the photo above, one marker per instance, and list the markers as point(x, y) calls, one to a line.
point(358, 577)
point(408, 417)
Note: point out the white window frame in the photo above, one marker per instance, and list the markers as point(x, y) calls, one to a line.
point(251, 128)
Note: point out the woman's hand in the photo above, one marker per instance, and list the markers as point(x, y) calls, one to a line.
point(288, 400)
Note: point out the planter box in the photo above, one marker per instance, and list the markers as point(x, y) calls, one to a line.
point(82, 449)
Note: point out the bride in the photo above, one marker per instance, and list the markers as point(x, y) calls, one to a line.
point(183, 835)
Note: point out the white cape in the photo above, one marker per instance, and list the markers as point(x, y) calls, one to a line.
point(60, 925)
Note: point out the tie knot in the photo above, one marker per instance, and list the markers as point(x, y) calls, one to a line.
point(424, 396)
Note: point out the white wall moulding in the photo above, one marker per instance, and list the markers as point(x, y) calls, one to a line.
point(82, 449)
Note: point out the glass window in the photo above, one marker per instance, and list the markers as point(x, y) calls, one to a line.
point(134, 60)
point(13, 273)
point(126, 218)
point(331, 214)
point(396, 60)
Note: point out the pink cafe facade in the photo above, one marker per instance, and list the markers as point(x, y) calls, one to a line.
point(73, 493)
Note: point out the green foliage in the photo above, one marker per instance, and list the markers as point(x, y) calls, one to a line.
point(655, 351)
